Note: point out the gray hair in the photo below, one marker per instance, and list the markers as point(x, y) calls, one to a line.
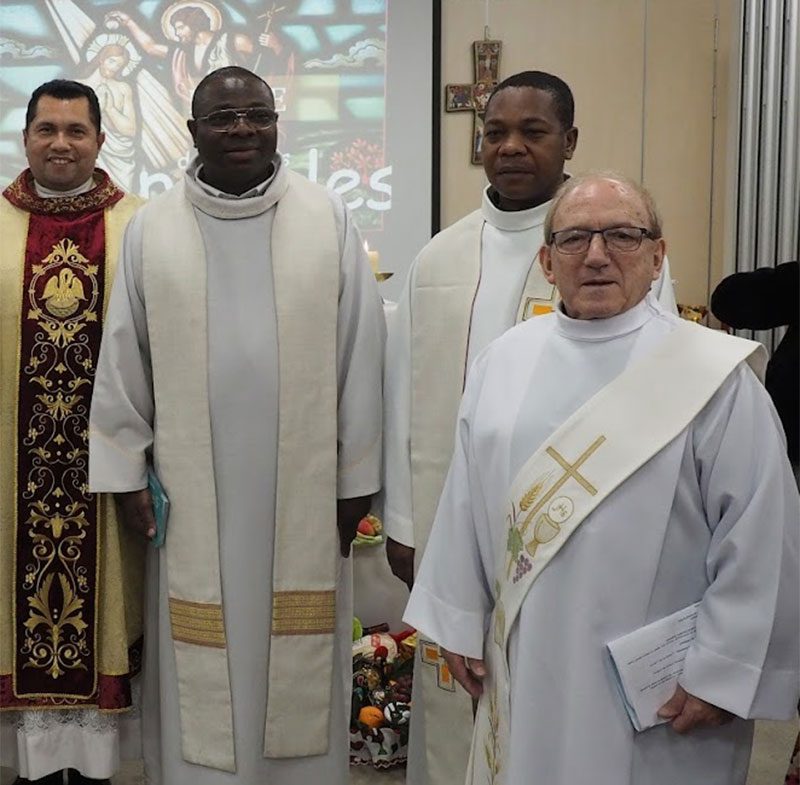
point(572, 183)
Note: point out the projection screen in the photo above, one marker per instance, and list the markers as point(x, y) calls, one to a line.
point(352, 81)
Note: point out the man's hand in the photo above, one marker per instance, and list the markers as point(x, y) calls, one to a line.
point(687, 712)
point(348, 513)
point(467, 672)
point(117, 16)
point(271, 41)
point(137, 512)
point(401, 560)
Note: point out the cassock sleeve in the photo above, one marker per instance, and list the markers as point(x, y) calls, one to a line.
point(663, 290)
point(452, 597)
point(746, 654)
point(397, 516)
point(361, 334)
point(121, 419)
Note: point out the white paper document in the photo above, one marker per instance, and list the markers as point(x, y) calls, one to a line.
point(648, 663)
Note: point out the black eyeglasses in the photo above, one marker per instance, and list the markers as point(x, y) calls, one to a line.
point(226, 119)
point(616, 238)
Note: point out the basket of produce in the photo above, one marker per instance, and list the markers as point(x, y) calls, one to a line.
point(381, 708)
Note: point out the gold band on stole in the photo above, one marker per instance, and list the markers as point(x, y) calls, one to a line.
point(197, 622)
point(303, 612)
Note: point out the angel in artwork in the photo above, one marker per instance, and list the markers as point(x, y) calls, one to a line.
point(137, 112)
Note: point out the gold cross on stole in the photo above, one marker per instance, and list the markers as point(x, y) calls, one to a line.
point(547, 527)
point(571, 470)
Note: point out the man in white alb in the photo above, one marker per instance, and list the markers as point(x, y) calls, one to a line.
point(470, 284)
point(243, 355)
point(613, 464)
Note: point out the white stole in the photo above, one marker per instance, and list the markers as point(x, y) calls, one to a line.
point(305, 267)
point(447, 279)
point(573, 471)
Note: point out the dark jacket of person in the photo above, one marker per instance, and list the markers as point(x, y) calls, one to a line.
point(761, 300)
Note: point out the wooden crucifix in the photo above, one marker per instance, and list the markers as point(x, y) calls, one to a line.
point(474, 97)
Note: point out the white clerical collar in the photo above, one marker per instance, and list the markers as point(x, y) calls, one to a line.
point(218, 204)
point(49, 193)
point(606, 329)
point(196, 167)
point(512, 220)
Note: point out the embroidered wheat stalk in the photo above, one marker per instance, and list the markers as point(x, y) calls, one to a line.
point(492, 744)
point(530, 497)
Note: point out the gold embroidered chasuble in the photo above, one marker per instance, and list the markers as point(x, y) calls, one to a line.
point(70, 577)
point(575, 470)
point(305, 269)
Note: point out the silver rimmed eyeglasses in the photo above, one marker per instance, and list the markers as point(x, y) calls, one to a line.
point(616, 238)
point(226, 119)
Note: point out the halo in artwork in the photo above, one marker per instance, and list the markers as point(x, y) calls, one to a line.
point(108, 39)
point(209, 9)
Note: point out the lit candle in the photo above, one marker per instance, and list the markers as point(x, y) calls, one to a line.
point(373, 257)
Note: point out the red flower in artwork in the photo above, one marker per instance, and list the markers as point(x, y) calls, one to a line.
point(363, 156)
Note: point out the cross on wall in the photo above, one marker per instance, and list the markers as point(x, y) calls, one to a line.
point(473, 97)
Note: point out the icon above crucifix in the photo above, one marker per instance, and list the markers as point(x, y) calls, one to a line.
point(474, 97)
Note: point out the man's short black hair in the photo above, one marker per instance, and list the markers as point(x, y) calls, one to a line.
point(221, 73)
point(68, 90)
point(563, 102)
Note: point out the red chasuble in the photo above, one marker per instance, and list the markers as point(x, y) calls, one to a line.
point(56, 604)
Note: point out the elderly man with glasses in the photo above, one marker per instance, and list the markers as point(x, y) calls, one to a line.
point(613, 465)
point(242, 368)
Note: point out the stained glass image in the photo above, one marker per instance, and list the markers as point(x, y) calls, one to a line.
point(324, 59)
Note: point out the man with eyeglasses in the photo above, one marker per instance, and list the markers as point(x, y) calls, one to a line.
point(243, 364)
point(613, 465)
point(470, 284)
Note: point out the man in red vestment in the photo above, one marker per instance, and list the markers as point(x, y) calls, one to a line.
point(68, 614)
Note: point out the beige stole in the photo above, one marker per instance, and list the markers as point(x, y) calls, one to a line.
point(305, 267)
point(586, 459)
point(447, 278)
